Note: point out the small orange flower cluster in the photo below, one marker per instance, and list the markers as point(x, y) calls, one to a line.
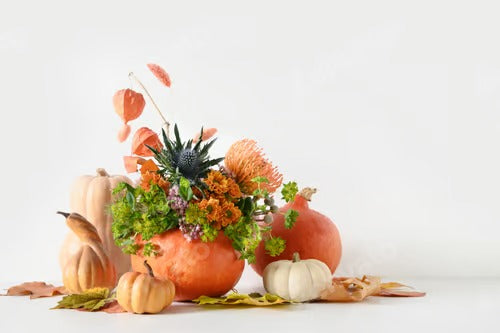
point(222, 192)
point(150, 175)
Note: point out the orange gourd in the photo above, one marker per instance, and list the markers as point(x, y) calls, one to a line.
point(196, 268)
point(314, 235)
point(144, 293)
point(91, 197)
point(89, 267)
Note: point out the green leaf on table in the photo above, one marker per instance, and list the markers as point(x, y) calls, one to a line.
point(254, 299)
point(91, 300)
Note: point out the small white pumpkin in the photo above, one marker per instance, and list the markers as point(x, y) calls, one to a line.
point(297, 280)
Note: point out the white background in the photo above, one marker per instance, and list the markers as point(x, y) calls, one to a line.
point(390, 108)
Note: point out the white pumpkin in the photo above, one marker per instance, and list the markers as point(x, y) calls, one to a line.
point(297, 280)
point(91, 197)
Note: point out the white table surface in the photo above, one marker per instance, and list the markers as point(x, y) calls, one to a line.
point(451, 305)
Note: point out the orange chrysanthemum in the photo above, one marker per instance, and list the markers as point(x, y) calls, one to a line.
point(230, 214)
point(212, 207)
point(245, 161)
point(150, 175)
point(217, 182)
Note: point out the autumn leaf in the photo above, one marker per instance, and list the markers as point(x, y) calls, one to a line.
point(254, 299)
point(160, 74)
point(350, 289)
point(35, 290)
point(113, 307)
point(91, 300)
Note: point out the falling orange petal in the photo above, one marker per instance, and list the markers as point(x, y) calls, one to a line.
point(245, 161)
point(160, 74)
point(142, 138)
point(123, 133)
point(128, 104)
point(131, 163)
point(207, 134)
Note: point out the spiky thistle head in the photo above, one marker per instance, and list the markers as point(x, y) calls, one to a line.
point(183, 159)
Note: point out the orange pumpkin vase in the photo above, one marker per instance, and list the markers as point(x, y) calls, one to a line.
point(196, 268)
point(313, 236)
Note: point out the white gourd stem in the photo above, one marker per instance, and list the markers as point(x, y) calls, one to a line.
point(166, 123)
point(296, 257)
point(307, 193)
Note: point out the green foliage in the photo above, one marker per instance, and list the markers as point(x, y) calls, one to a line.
point(289, 191)
point(290, 218)
point(275, 246)
point(92, 300)
point(136, 211)
point(149, 250)
point(209, 233)
point(195, 215)
point(260, 179)
point(185, 190)
point(245, 236)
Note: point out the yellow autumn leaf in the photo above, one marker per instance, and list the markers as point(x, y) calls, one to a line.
point(254, 299)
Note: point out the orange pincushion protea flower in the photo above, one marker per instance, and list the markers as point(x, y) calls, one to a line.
point(142, 138)
point(245, 161)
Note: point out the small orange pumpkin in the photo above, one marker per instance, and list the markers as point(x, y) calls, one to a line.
point(144, 293)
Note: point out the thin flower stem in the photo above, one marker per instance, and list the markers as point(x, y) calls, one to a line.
point(166, 123)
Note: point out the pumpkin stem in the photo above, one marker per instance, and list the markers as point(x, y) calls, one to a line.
point(150, 270)
point(63, 214)
point(102, 172)
point(307, 193)
point(166, 123)
point(296, 257)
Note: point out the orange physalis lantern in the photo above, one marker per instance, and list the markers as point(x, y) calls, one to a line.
point(129, 106)
point(142, 138)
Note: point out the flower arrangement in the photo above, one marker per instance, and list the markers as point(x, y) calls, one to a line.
point(182, 187)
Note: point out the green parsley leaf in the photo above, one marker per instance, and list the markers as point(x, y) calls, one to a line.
point(136, 212)
point(260, 179)
point(275, 246)
point(289, 191)
point(290, 218)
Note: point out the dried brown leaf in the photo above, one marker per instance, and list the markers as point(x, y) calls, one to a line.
point(113, 307)
point(35, 289)
point(400, 293)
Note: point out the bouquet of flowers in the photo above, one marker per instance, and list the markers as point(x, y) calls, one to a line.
point(181, 188)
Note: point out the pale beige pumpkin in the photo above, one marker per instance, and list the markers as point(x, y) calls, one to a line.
point(144, 293)
point(89, 267)
point(91, 197)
